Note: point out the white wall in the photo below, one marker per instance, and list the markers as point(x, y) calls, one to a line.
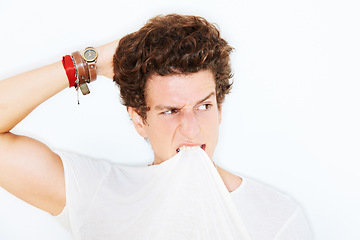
point(292, 120)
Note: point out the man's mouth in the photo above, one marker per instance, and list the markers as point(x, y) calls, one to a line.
point(190, 148)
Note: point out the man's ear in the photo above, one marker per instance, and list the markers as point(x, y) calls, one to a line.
point(137, 121)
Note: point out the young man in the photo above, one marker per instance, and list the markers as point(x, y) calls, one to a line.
point(173, 75)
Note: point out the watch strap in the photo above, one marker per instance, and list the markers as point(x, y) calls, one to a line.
point(91, 63)
point(82, 72)
point(92, 71)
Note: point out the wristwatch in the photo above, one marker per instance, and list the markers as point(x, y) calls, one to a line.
point(90, 56)
point(85, 65)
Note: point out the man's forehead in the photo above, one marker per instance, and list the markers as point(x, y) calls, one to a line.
point(198, 80)
point(180, 88)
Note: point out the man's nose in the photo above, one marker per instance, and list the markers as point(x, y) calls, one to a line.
point(189, 125)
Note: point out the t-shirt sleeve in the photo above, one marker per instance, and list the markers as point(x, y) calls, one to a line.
point(83, 177)
point(295, 228)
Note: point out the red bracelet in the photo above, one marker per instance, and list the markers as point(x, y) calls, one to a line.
point(69, 69)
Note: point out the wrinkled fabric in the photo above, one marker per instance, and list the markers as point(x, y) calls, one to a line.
point(181, 198)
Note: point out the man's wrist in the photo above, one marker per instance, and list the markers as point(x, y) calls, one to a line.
point(99, 62)
point(104, 63)
point(80, 68)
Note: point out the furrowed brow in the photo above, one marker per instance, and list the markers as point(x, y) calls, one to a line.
point(163, 107)
point(206, 98)
point(168, 107)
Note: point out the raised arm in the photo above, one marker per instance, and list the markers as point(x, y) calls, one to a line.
point(28, 168)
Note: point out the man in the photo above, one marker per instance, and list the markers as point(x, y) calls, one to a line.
point(173, 75)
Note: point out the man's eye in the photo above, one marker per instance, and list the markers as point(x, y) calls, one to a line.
point(171, 111)
point(205, 106)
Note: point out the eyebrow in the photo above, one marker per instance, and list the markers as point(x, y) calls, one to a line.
point(164, 107)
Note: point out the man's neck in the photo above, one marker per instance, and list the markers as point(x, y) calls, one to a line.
point(230, 180)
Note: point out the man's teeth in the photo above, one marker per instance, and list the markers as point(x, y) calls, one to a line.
point(187, 148)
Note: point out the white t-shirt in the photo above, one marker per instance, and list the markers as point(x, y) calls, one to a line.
point(265, 213)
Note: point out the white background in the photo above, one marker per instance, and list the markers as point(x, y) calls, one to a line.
point(292, 120)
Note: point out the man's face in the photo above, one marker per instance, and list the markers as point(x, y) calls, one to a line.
point(183, 112)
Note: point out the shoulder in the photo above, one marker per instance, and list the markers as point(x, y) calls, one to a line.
point(266, 212)
point(262, 199)
point(262, 195)
point(79, 159)
point(83, 167)
point(87, 175)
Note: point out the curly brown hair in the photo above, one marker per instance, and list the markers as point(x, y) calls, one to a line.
point(166, 45)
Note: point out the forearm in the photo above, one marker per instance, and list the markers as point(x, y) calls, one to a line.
point(21, 94)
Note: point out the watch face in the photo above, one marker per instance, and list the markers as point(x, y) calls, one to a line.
point(90, 55)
